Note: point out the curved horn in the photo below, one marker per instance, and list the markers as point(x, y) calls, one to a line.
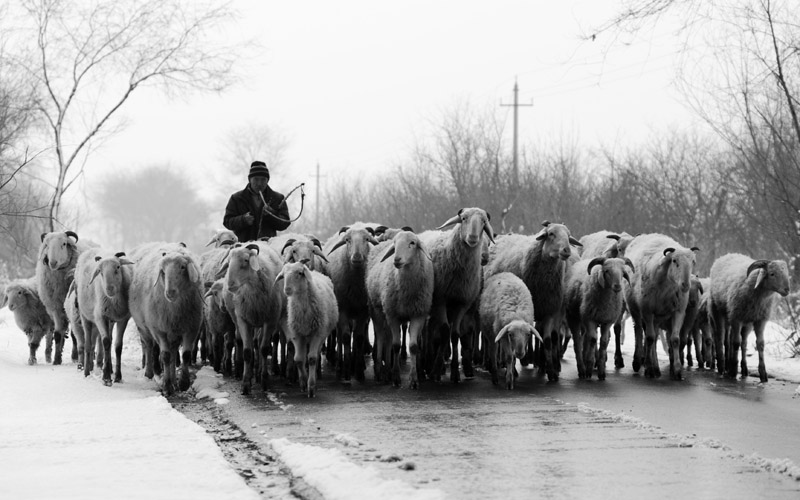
point(759, 264)
point(536, 334)
point(278, 277)
point(546, 223)
point(288, 243)
point(344, 229)
point(318, 252)
point(695, 249)
point(97, 258)
point(629, 264)
point(668, 251)
point(73, 234)
point(43, 235)
point(501, 333)
point(613, 236)
point(253, 246)
point(407, 228)
point(594, 262)
point(119, 254)
point(316, 243)
point(487, 228)
point(96, 273)
point(452, 220)
point(388, 253)
point(337, 245)
point(380, 230)
point(227, 242)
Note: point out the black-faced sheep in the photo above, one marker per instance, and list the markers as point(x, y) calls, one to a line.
point(742, 298)
point(58, 256)
point(506, 315)
point(30, 315)
point(457, 275)
point(102, 283)
point(400, 291)
point(348, 253)
point(541, 262)
point(311, 314)
point(594, 297)
point(659, 292)
point(166, 302)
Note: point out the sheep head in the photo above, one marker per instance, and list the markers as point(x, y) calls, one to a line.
point(679, 265)
point(357, 240)
point(295, 276)
point(516, 336)
point(216, 293)
point(57, 249)
point(176, 273)
point(223, 237)
point(16, 296)
point(773, 275)
point(611, 272)
point(243, 262)
point(556, 241)
point(406, 248)
point(297, 250)
point(111, 273)
point(471, 223)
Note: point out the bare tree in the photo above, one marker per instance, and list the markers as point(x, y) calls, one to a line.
point(90, 58)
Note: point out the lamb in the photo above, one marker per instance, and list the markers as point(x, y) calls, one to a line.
point(312, 312)
point(540, 261)
point(506, 315)
point(400, 290)
point(659, 292)
point(102, 284)
point(222, 238)
point(30, 314)
point(74, 316)
point(594, 298)
point(457, 276)
point(58, 256)
point(166, 302)
point(742, 299)
point(218, 326)
point(347, 270)
point(699, 330)
point(253, 304)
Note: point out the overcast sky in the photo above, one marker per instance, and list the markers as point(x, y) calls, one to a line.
point(351, 83)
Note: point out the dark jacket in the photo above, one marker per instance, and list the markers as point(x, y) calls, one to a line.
point(245, 201)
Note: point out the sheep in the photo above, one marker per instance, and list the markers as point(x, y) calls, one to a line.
point(506, 316)
point(312, 313)
point(742, 299)
point(30, 314)
point(400, 291)
point(58, 256)
point(659, 292)
point(218, 325)
point(689, 319)
point(166, 302)
point(347, 270)
point(699, 330)
point(74, 317)
point(254, 305)
point(540, 261)
point(294, 247)
point(457, 276)
point(211, 263)
point(594, 298)
point(222, 238)
point(102, 284)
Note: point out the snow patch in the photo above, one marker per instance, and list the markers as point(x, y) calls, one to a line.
point(206, 385)
point(346, 439)
point(334, 475)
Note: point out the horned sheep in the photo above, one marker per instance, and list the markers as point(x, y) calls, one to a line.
point(506, 315)
point(311, 314)
point(400, 291)
point(540, 261)
point(742, 298)
point(457, 275)
point(659, 292)
point(222, 238)
point(594, 297)
point(30, 314)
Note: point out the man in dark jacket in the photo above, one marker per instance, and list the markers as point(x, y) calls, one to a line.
point(247, 216)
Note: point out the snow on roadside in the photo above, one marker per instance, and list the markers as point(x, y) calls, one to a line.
point(336, 477)
point(64, 436)
point(207, 385)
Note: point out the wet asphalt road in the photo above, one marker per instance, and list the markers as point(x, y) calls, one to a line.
point(704, 437)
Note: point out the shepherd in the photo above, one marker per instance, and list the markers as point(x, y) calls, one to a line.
point(257, 211)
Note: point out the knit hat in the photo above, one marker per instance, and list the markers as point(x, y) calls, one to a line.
point(258, 168)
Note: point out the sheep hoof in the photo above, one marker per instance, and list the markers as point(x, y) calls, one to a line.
point(117, 379)
point(107, 382)
point(762, 374)
point(80, 366)
point(47, 358)
point(57, 360)
point(31, 361)
point(636, 365)
point(601, 376)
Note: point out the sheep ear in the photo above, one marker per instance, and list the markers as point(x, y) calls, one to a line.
point(318, 252)
point(160, 277)
point(222, 272)
point(254, 263)
point(594, 262)
point(574, 242)
point(452, 220)
point(213, 240)
point(760, 278)
point(629, 263)
point(4, 301)
point(316, 243)
point(535, 333)
point(388, 253)
point(700, 287)
point(626, 276)
point(425, 252)
point(487, 228)
point(542, 234)
point(500, 334)
point(194, 272)
point(337, 245)
point(344, 229)
point(126, 262)
point(43, 235)
point(278, 277)
point(96, 273)
point(97, 258)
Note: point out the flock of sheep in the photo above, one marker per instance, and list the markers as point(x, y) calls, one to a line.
point(275, 307)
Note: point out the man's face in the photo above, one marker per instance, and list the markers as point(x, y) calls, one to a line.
point(258, 183)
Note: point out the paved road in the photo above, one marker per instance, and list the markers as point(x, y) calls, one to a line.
point(704, 437)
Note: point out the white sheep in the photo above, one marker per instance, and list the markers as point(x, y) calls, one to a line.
point(400, 291)
point(311, 314)
point(457, 275)
point(254, 305)
point(166, 302)
point(506, 315)
point(30, 315)
point(742, 298)
point(540, 261)
point(348, 252)
point(294, 247)
point(222, 238)
point(76, 326)
point(102, 283)
point(58, 256)
point(219, 328)
point(659, 292)
point(594, 297)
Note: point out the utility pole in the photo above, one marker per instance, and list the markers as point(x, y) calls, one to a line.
point(316, 217)
point(516, 106)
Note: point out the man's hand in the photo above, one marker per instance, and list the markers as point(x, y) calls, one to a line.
point(249, 219)
point(268, 210)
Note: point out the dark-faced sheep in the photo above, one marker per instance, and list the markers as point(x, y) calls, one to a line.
point(218, 326)
point(30, 314)
point(457, 274)
point(102, 283)
point(540, 261)
point(400, 280)
point(58, 256)
point(658, 293)
point(311, 314)
point(506, 315)
point(742, 298)
point(594, 297)
point(166, 302)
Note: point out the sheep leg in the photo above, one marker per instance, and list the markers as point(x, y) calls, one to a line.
point(121, 326)
point(491, 348)
point(745, 333)
point(344, 347)
point(676, 340)
point(91, 338)
point(415, 327)
point(378, 358)
point(618, 361)
point(732, 349)
point(147, 350)
point(104, 326)
point(439, 336)
point(59, 334)
point(33, 346)
point(404, 345)
point(638, 350)
point(330, 349)
point(759, 327)
point(605, 334)
point(291, 368)
point(300, 358)
point(589, 346)
point(577, 346)
point(651, 368)
point(80, 338)
point(238, 356)
point(314, 349)
point(188, 344)
point(397, 333)
point(550, 348)
point(720, 337)
point(227, 354)
point(167, 363)
point(75, 352)
point(360, 341)
point(510, 361)
point(455, 337)
point(48, 347)
point(247, 355)
point(100, 353)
